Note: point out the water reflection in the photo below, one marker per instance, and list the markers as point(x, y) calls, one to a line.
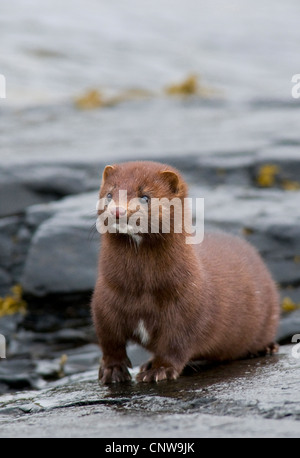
point(203, 380)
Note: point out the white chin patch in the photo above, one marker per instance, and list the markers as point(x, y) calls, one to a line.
point(127, 229)
point(137, 238)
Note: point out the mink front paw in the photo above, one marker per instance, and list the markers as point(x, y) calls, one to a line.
point(157, 374)
point(114, 374)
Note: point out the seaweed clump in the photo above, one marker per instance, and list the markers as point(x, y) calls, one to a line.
point(13, 303)
point(288, 305)
point(188, 87)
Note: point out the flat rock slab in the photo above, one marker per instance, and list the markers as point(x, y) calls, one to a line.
point(251, 398)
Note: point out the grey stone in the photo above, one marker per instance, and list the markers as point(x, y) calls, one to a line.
point(292, 293)
point(285, 271)
point(38, 182)
point(8, 239)
point(37, 214)
point(16, 197)
point(5, 281)
point(9, 325)
point(14, 242)
point(62, 258)
point(54, 178)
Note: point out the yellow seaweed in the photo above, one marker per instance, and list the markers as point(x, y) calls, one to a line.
point(189, 86)
point(288, 305)
point(13, 303)
point(95, 99)
point(90, 100)
point(267, 173)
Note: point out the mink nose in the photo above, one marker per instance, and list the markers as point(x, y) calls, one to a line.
point(118, 212)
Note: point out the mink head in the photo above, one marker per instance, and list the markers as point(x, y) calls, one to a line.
point(138, 198)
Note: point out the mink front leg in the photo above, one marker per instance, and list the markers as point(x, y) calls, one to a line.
point(112, 340)
point(114, 364)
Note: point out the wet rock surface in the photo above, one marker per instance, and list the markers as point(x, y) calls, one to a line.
point(249, 398)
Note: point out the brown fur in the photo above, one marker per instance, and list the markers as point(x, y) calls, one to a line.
point(213, 301)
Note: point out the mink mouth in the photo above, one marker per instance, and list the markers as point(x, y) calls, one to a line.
point(125, 228)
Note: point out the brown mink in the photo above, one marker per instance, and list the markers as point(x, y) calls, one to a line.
point(212, 301)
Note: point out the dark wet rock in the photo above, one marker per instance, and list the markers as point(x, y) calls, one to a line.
point(5, 281)
point(50, 343)
point(32, 183)
point(64, 242)
point(291, 293)
point(285, 271)
point(38, 340)
point(55, 179)
point(15, 197)
point(17, 374)
point(289, 327)
point(38, 334)
point(9, 324)
point(242, 399)
point(33, 359)
point(14, 243)
point(8, 230)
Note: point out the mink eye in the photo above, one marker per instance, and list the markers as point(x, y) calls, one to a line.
point(144, 199)
point(108, 197)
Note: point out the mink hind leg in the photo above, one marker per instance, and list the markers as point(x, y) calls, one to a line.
point(269, 349)
point(161, 367)
point(157, 374)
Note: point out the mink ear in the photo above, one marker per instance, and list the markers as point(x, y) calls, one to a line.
point(106, 172)
point(172, 179)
